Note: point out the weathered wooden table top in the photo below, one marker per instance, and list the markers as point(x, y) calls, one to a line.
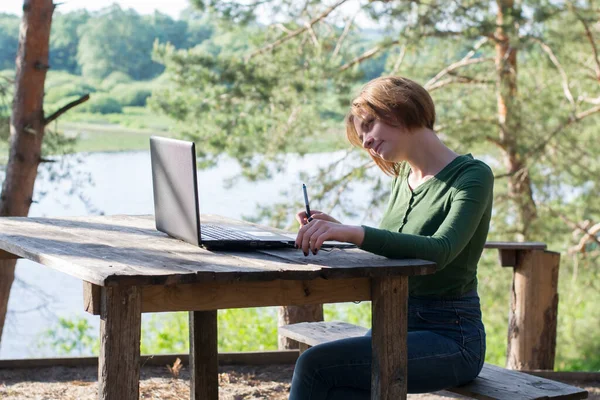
point(124, 249)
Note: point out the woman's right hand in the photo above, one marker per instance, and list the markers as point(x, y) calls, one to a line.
point(301, 217)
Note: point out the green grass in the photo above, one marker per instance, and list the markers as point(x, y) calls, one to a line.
point(132, 117)
point(106, 137)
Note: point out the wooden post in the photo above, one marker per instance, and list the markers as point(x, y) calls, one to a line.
point(295, 314)
point(204, 379)
point(533, 311)
point(120, 329)
point(390, 312)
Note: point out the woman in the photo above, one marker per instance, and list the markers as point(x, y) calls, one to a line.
point(439, 210)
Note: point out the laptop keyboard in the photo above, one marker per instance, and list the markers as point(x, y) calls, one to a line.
point(219, 232)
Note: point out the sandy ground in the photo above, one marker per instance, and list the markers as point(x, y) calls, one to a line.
point(236, 383)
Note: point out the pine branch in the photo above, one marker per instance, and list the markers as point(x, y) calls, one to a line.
point(572, 119)
point(561, 71)
point(399, 61)
point(586, 238)
point(495, 141)
point(66, 108)
point(590, 235)
point(313, 36)
point(591, 100)
point(296, 32)
point(458, 79)
point(338, 45)
point(466, 60)
point(590, 38)
point(367, 54)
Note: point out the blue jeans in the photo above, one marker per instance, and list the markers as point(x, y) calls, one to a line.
point(446, 348)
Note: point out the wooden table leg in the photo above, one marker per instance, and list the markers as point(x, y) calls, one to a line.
point(120, 329)
point(389, 320)
point(204, 377)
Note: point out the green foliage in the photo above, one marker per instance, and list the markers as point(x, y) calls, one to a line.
point(70, 337)
point(102, 104)
point(113, 36)
point(59, 93)
point(9, 40)
point(578, 348)
point(132, 94)
point(56, 79)
point(261, 107)
point(114, 79)
point(64, 40)
point(121, 40)
point(249, 329)
point(112, 39)
point(166, 333)
point(5, 105)
point(353, 313)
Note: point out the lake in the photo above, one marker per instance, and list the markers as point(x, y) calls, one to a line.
point(121, 183)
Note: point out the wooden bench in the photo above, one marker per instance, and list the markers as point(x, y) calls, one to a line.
point(492, 383)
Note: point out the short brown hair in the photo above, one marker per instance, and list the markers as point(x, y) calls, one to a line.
point(396, 101)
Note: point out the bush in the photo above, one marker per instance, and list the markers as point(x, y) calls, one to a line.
point(114, 79)
point(55, 79)
point(102, 104)
point(134, 95)
point(59, 93)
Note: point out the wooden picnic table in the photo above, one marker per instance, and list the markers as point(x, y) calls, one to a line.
point(128, 268)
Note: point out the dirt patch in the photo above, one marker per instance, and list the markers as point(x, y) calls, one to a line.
point(235, 383)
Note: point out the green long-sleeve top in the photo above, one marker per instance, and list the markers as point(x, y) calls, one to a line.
point(445, 219)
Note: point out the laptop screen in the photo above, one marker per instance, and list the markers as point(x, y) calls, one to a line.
point(175, 188)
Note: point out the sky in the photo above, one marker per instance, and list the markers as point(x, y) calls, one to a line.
point(170, 7)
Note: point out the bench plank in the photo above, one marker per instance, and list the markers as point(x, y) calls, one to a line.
point(316, 333)
point(503, 384)
point(493, 383)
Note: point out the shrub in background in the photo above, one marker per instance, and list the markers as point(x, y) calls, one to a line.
point(114, 79)
point(73, 89)
point(102, 104)
point(134, 95)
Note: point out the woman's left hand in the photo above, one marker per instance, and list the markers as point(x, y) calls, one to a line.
point(312, 235)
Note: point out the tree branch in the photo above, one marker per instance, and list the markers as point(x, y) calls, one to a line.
point(589, 236)
point(66, 108)
point(588, 233)
point(313, 36)
point(572, 119)
point(296, 32)
point(399, 61)
point(367, 54)
point(338, 45)
point(457, 79)
point(495, 141)
point(590, 37)
point(561, 71)
point(466, 60)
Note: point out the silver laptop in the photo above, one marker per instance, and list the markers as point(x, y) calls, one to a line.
point(177, 207)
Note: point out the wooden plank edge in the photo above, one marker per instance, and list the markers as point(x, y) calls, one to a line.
point(567, 376)
point(515, 245)
point(245, 358)
point(6, 255)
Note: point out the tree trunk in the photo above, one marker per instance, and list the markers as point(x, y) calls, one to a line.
point(293, 315)
point(519, 184)
point(26, 124)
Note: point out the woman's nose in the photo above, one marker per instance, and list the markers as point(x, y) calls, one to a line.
point(367, 142)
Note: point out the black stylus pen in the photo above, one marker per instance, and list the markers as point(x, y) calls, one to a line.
point(306, 202)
